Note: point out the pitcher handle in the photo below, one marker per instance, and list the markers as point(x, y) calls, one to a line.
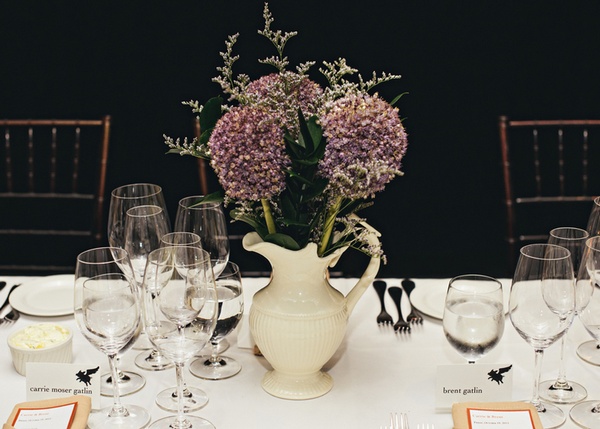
point(370, 272)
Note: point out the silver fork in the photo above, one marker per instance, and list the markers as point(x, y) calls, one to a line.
point(383, 318)
point(12, 316)
point(398, 422)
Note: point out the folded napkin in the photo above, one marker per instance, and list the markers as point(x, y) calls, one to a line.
point(460, 413)
point(84, 405)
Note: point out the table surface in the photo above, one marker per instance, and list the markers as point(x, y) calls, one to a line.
point(375, 372)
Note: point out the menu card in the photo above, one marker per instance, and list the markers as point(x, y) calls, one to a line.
point(60, 416)
point(490, 415)
point(60, 413)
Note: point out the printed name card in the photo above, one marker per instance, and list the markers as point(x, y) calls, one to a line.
point(473, 382)
point(507, 419)
point(58, 417)
point(490, 415)
point(57, 380)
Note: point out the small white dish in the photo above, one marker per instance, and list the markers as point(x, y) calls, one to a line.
point(45, 296)
point(44, 342)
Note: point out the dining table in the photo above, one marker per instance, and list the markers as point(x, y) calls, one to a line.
point(375, 371)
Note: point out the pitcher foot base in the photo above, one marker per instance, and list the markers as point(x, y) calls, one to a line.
point(297, 387)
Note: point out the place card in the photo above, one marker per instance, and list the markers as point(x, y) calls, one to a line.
point(485, 419)
point(473, 382)
point(490, 415)
point(58, 380)
point(57, 417)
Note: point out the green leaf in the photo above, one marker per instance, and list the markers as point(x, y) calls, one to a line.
point(305, 138)
point(211, 112)
point(205, 136)
point(398, 97)
point(282, 240)
point(174, 150)
point(215, 197)
point(315, 130)
point(258, 226)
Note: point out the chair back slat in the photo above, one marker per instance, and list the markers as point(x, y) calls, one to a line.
point(53, 160)
point(76, 155)
point(30, 161)
point(8, 161)
point(585, 163)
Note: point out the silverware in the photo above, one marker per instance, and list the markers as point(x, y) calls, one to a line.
point(414, 316)
point(6, 303)
point(396, 422)
point(401, 325)
point(383, 318)
point(13, 315)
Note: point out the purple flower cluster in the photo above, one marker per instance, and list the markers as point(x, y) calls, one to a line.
point(283, 94)
point(365, 145)
point(248, 154)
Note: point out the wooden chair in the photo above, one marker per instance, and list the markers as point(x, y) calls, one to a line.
point(52, 186)
point(548, 179)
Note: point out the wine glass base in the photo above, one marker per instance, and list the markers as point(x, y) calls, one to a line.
point(551, 416)
point(193, 399)
point(574, 392)
point(584, 415)
point(130, 383)
point(190, 422)
point(152, 361)
point(225, 367)
point(137, 418)
point(589, 352)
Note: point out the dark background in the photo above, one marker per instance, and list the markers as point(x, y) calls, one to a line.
point(464, 63)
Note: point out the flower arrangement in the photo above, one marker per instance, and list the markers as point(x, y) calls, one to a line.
point(295, 159)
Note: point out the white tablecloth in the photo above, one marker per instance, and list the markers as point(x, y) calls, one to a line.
point(375, 372)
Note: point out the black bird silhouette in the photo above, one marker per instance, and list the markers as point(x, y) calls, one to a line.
point(496, 375)
point(85, 376)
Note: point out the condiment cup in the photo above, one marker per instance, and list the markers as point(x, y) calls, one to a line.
point(43, 342)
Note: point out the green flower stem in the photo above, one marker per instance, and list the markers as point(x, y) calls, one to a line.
point(268, 216)
point(328, 226)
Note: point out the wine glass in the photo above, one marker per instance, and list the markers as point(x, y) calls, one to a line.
point(589, 351)
point(180, 308)
point(587, 414)
point(107, 311)
point(542, 305)
point(208, 221)
point(144, 227)
point(122, 199)
point(231, 308)
point(125, 197)
point(561, 390)
point(193, 398)
point(474, 315)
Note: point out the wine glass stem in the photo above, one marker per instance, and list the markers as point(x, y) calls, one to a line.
point(561, 381)
point(214, 356)
point(180, 395)
point(539, 354)
point(118, 409)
